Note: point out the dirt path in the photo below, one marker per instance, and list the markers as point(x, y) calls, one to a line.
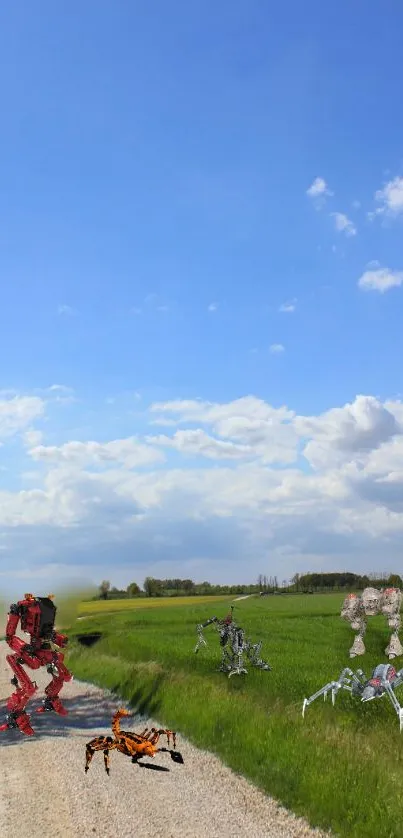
point(245, 596)
point(43, 784)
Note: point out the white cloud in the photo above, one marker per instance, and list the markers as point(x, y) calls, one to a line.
point(197, 410)
point(343, 224)
point(266, 431)
point(32, 438)
point(163, 420)
point(129, 452)
point(231, 484)
point(342, 433)
point(213, 307)
point(390, 198)
point(380, 279)
point(61, 393)
point(318, 189)
point(60, 388)
point(154, 301)
point(68, 311)
point(289, 307)
point(18, 412)
point(199, 443)
point(276, 348)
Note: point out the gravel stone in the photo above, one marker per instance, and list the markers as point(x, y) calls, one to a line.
point(45, 792)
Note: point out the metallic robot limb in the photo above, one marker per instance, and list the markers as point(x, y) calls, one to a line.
point(253, 652)
point(26, 688)
point(383, 681)
point(390, 605)
point(353, 611)
point(346, 680)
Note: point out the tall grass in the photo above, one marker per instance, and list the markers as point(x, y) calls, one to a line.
point(341, 767)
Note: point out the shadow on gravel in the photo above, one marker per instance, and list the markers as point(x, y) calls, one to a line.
point(152, 767)
point(92, 713)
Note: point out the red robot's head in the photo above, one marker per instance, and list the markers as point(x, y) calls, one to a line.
point(38, 616)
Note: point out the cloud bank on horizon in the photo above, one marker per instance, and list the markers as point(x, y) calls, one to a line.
point(202, 280)
point(225, 490)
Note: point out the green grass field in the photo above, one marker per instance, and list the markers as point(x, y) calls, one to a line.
point(341, 767)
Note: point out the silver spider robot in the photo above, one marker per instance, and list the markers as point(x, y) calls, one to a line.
point(383, 681)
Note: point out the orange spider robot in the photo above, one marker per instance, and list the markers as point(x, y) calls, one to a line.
point(134, 745)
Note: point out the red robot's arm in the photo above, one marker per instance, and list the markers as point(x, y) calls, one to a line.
point(14, 615)
point(60, 639)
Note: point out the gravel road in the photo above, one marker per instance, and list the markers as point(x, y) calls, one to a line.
point(44, 792)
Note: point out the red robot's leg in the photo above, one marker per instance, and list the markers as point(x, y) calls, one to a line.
point(17, 716)
point(60, 675)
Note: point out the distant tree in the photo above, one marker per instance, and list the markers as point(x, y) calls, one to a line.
point(117, 593)
point(104, 589)
point(153, 587)
point(149, 585)
point(133, 589)
point(395, 581)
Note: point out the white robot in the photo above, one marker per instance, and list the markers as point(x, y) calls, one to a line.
point(356, 608)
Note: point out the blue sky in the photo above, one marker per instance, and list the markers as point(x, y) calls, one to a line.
point(155, 216)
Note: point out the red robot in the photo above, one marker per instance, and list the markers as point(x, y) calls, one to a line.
point(37, 616)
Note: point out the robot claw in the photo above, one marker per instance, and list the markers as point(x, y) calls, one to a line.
point(239, 670)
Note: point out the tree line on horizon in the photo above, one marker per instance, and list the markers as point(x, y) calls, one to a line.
point(307, 583)
point(322, 582)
